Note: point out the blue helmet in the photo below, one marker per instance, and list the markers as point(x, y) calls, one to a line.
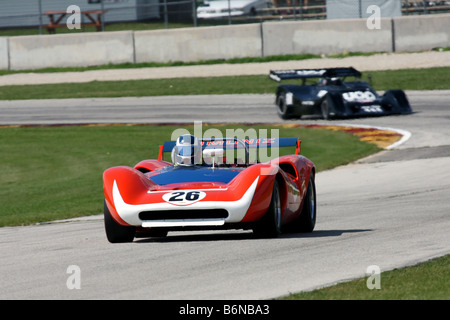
point(187, 151)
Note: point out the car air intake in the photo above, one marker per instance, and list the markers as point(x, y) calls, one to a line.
point(183, 214)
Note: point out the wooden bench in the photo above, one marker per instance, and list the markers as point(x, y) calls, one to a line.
point(94, 18)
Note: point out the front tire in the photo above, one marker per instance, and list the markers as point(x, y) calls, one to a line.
point(115, 232)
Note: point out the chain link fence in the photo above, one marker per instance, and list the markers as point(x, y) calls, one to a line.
point(38, 16)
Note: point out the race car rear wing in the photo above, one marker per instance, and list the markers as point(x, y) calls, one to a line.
point(278, 75)
point(235, 143)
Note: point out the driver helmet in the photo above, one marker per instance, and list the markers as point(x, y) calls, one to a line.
point(187, 151)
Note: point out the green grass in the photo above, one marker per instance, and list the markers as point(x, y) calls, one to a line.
point(50, 173)
point(129, 65)
point(410, 79)
point(413, 79)
point(425, 281)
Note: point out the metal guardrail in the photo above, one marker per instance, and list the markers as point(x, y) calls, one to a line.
point(293, 12)
point(426, 9)
point(316, 12)
point(319, 11)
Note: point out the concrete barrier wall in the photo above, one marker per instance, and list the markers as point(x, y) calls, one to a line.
point(194, 44)
point(422, 33)
point(4, 52)
point(332, 36)
point(72, 50)
point(224, 42)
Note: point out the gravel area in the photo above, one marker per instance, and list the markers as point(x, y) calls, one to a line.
point(384, 61)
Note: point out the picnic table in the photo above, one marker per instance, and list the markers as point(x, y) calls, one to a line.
point(94, 18)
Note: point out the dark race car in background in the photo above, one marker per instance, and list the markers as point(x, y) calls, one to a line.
point(331, 96)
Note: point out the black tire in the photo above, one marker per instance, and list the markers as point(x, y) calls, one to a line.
point(396, 101)
point(325, 109)
point(307, 219)
point(115, 232)
point(282, 108)
point(270, 225)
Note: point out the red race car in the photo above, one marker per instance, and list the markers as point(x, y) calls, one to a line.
point(207, 186)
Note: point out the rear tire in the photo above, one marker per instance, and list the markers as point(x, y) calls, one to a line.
point(307, 219)
point(115, 232)
point(270, 225)
point(396, 102)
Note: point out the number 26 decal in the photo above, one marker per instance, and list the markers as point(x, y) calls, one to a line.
point(183, 198)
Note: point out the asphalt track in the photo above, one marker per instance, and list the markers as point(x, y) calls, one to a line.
point(389, 210)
